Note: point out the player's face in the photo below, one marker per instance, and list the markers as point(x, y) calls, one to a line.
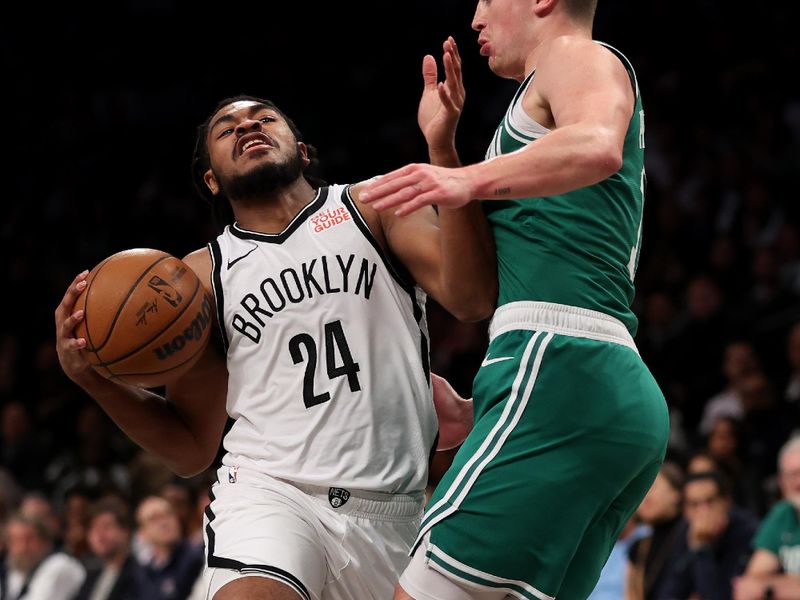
point(246, 137)
point(503, 26)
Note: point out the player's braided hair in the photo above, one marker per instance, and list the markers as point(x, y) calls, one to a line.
point(220, 205)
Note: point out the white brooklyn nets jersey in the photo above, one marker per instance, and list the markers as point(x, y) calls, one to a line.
point(327, 353)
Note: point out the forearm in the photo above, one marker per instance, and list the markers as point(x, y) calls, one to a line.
point(150, 421)
point(469, 265)
point(565, 159)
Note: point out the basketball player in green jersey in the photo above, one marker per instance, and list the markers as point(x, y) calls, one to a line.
point(570, 427)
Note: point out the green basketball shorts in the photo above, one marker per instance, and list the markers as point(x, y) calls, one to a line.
point(570, 431)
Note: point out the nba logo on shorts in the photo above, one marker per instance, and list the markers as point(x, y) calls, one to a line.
point(338, 497)
point(232, 471)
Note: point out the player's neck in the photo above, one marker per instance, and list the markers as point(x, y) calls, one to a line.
point(556, 29)
point(273, 212)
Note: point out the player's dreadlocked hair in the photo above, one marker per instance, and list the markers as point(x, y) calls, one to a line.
point(220, 205)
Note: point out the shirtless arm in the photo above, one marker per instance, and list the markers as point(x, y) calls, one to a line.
point(450, 255)
point(185, 428)
point(588, 93)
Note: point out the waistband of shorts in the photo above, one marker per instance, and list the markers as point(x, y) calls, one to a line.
point(362, 503)
point(561, 319)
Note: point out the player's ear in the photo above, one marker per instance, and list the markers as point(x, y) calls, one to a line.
point(542, 8)
point(303, 153)
point(211, 182)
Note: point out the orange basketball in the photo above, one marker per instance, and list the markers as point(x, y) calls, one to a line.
point(147, 317)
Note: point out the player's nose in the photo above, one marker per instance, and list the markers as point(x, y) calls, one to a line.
point(248, 126)
point(478, 20)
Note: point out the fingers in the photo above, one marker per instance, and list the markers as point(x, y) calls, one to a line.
point(422, 200)
point(387, 184)
point(75, 344)
point(444, 97)
point(454, 48)
point(453, 81)
point(71, 322)
point(71, 295)
point(429, 71)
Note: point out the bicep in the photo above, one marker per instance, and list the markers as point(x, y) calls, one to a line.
point(415, 241)
point(763, 562)
point(200, 394)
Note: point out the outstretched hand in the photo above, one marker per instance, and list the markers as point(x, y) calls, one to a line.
point(414, 186)
point(442, 102)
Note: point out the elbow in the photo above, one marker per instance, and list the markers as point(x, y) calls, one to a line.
point(477, 309)
point(606, 159)
point(190, 465)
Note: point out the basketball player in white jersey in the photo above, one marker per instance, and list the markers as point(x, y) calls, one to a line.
point(324, 370)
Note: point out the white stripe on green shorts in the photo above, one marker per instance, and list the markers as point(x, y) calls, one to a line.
point(512, 412)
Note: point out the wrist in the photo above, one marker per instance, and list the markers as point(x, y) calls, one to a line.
point(444, 152)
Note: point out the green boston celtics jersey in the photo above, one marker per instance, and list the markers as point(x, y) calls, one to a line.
point(580, 248)
point(780, 534)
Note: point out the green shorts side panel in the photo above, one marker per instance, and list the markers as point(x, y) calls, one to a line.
point(562, 429)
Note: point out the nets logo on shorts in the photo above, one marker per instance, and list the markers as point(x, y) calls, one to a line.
point(338, 497)
point(325, 219)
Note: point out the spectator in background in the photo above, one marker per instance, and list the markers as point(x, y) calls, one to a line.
point(774, 569)
point(700, 348)
point(611, 585)
point(76, 504)
point(714, 542)
point(174, 564)
point(37, 505)
point(118, 576)
point(766, 426)
point(180, 496)
point(661, 510)
point(21, 450)
point(791, 390)
point(739, 359)
point(34, 570)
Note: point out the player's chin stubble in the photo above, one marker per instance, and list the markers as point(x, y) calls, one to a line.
point(263, 179)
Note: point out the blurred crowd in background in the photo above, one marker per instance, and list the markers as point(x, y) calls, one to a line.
point(102, 128)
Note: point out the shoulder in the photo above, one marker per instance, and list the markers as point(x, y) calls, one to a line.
point(60, 567)
point(781, 510)
point(580, 55)
point(780, 517)
point(200, 262)
point(371, 217)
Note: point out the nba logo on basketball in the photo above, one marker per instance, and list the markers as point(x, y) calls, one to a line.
point(329, 218)
point(338, 497)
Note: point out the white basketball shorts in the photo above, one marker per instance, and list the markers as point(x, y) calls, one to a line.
point(325, 543)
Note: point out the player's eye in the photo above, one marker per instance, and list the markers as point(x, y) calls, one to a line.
point(267, 119)
point(225, 132)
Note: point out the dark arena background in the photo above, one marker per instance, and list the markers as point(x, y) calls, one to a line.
point(100, 107)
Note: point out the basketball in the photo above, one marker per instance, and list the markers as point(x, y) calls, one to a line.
point(147, 317)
